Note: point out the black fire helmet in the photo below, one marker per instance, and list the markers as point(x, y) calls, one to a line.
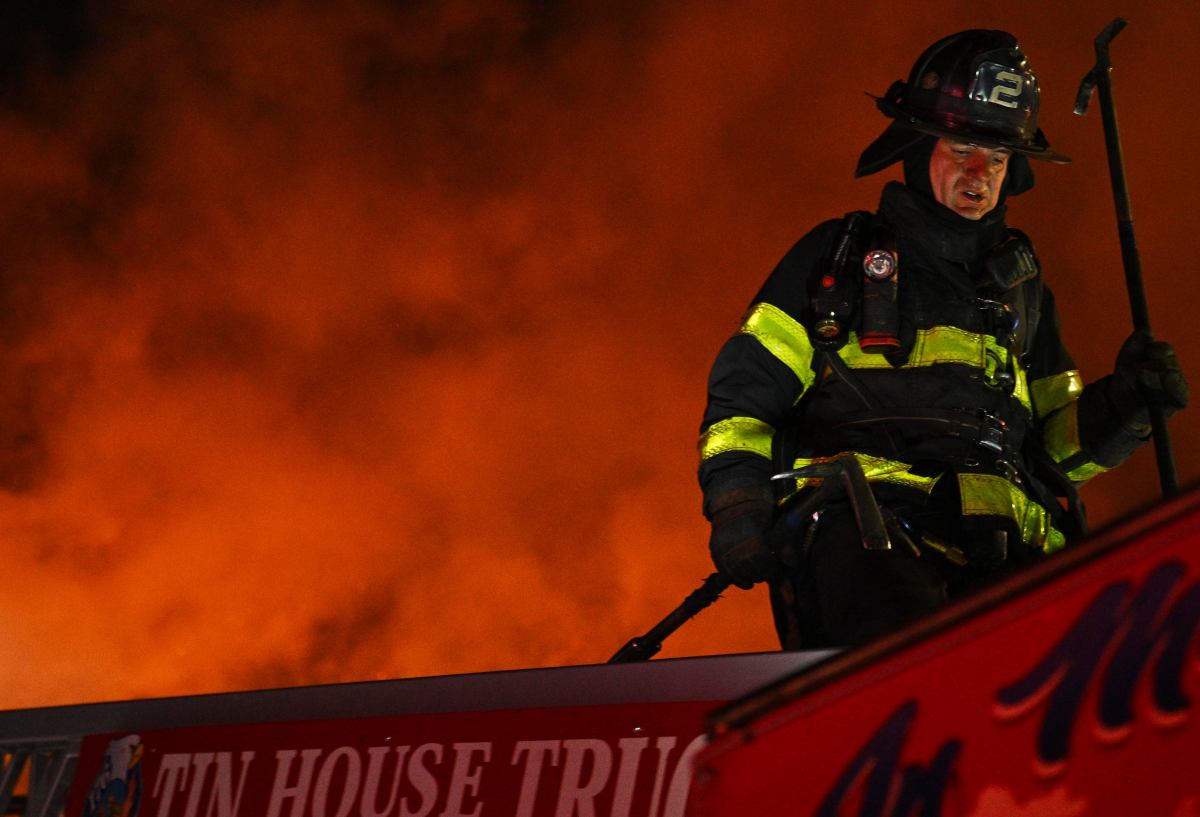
point(975, 86)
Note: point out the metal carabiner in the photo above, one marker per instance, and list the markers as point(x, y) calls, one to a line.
point(1001, 375)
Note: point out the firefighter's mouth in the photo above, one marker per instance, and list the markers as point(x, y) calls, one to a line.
point(973, 195)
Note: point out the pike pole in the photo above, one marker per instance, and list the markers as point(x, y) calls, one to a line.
point(1100, 77)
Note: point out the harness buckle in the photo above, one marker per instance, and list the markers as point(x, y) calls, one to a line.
point(991, 438)
point(992, 431)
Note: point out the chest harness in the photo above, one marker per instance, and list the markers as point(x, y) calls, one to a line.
point(858, 297)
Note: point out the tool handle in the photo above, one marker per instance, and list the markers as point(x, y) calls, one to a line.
point(1100, 77)
point(645, 647)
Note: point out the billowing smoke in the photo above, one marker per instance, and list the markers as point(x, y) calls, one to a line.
point(362, 340)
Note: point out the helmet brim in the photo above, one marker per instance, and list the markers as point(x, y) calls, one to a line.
point(887, 149)
point(1036, 148)
point(897, 139)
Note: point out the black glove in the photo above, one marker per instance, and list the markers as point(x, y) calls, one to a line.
point(741, 518)
point(1147, 373)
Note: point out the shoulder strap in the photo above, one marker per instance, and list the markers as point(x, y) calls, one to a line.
point(1015, 274)
point(834, 293)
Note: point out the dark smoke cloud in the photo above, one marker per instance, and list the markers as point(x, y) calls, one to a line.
point(369, 340)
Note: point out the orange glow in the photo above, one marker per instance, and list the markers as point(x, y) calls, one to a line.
point(345, 342)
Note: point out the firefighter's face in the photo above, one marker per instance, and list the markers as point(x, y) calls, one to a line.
point(967, 178)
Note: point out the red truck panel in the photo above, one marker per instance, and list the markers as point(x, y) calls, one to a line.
point(1066, 691)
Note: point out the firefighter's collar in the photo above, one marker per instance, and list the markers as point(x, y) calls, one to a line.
point(920, 219)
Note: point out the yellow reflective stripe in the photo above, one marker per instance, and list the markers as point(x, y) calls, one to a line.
point(876, 469)
point(944, 344)
point(783, 337)
point(987, 495)
point(1053, 392)
point(1061, 433)
point(1082, 473)
point(737, 434)
point(1061, 436)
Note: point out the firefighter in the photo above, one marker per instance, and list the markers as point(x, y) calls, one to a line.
point(921, 340)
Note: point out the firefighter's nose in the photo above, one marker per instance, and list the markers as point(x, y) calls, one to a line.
point(976, 167)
